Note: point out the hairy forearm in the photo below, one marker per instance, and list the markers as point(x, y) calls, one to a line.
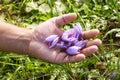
point(14, 39)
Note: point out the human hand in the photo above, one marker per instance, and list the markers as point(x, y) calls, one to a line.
point(39, 49)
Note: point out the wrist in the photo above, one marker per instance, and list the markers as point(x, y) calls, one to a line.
point(24, 39)
point(14, 39)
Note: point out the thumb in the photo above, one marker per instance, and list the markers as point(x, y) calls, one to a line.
point(64, 19)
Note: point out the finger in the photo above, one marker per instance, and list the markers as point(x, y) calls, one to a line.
point(75, 58)
point(96, 42)
point(64, 58)
point(89, 50)
point(90, 34)
point(64, 19)
point(60, 58)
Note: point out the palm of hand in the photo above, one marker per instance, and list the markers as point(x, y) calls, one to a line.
point(39, 49)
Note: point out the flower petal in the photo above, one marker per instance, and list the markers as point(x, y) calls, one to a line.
point(51, 38)
point(54, 42)
point(61, 45)
point(73, 50)
point(64, 45)
point(113, 74)
point(69, 36)
point(81, 43)
point(78, 29)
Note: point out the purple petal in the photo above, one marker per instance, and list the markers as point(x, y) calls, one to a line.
point(61, 45)
point(64, 44)
point(69, 36)
point(73, 50)
point(113, 74)
point(51, 38)
point(54, 42)
point(81, 43)
point(78, 29)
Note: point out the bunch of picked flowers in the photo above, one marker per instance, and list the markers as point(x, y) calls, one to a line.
point(71, 41)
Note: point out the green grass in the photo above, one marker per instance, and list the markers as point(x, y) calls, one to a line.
point(101, 14)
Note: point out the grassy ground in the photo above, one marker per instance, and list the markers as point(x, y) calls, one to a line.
point(101, 14)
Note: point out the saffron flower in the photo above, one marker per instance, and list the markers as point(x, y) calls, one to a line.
point(113, 74)
point(78, 30)
point(52, 40)
point(70, 36)
point(73, 50)
point(81, 43)
point(64, 45)
point(71, 41)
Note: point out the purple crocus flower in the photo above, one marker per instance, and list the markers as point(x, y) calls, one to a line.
point(52, 40)
point(113, 74)
point(78, 29)
point(81, 43)
point(64, 45)
point(72, 35)
point(73, 50)
point(69, 35)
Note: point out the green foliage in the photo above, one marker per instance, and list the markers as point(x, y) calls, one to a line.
point(101, 14)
